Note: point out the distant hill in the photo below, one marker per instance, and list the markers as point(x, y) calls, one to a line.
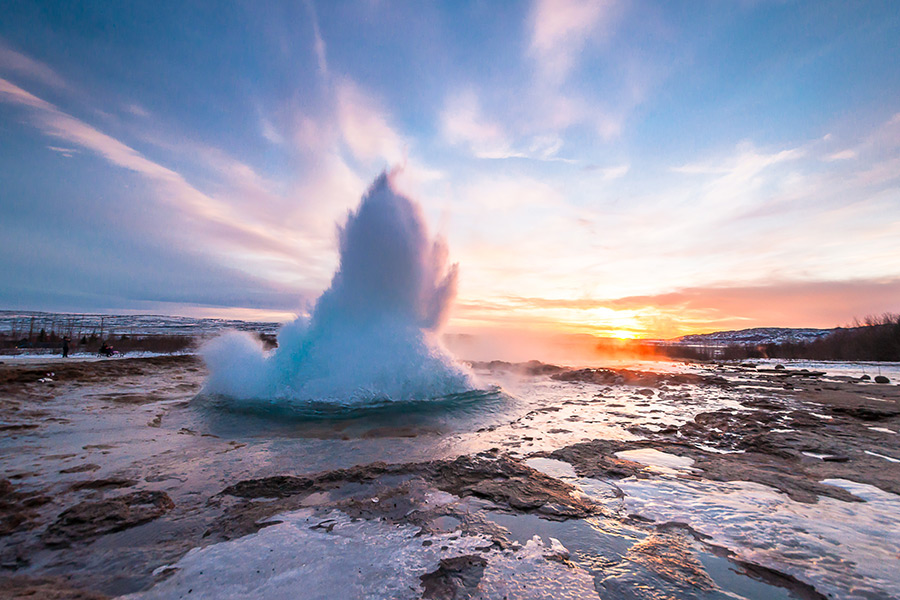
point(21, 324)
point(758, 335)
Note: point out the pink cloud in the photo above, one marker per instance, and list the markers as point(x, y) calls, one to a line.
point(13, 61)
point(12, 93)
point(364, 128)
point(561, 28)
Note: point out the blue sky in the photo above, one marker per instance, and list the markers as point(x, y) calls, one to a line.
point(645, 167)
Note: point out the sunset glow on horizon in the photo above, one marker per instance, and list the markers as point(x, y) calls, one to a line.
point(619, 169)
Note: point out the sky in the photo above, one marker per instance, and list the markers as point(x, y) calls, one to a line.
point(617, 168)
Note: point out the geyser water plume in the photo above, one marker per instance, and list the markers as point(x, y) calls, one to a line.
point(372, 336)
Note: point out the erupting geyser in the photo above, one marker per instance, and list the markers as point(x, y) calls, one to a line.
point(372, 335)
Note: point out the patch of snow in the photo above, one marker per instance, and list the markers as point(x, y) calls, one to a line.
point(888, 458)
point(817, 455)
point(310, 557)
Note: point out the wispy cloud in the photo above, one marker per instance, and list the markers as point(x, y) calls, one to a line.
point(174, 188)
point(269, 131)
point(318, 42)
point(137, 110)
point(610, 173)
point(462, 123)
point(364, 128)
point(16, 62)
point(875, 156)
point(561, 28)
point(737, 183)
point(67, 152)
point(10, 92)
point(841, 155)
point(742, 166)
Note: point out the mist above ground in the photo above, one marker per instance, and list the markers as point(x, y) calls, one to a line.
point(20, 333)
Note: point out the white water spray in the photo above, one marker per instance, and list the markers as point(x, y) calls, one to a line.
point(372, 335)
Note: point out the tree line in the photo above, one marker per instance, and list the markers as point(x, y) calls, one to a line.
point(876, 338)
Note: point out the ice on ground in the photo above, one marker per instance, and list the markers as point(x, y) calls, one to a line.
point(534, 573)
point(308, 556)
point(845, 550)
point(552, 467)
point(311, 557)
point(656, 458)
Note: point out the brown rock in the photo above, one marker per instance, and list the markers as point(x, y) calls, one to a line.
point(91, 519)
point(866, 413)
point(507, 482)
point(22, 587)
point(498, 478)
point(17, 508)
point(455, 579)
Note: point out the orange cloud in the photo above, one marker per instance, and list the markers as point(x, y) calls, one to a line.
point(782, 304)
point(691, 310)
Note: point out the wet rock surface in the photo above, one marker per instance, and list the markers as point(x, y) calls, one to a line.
point(71, 510)
point(637, 378)
point(509, 483)
point(18, 509)
point(667, 555)
point(790, 444)
point(506, 483)
point(43, 588)
point(12, 375)
point(90, 519)
point(24, 387)
point(491, 476)
point(532, 367)
point(455, 579)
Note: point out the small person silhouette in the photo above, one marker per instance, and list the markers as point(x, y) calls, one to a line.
point(65, 347)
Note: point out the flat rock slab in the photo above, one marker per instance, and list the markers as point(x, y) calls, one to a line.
point(500, 479)
point(20, 587)
point(646, 379)
point(91, 519)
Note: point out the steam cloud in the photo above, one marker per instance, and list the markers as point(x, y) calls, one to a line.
point(372, 335)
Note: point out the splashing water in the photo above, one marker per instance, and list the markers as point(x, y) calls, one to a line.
point(372, 335)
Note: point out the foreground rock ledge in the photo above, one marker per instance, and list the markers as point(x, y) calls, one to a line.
point(490, 476)
point(393, 492)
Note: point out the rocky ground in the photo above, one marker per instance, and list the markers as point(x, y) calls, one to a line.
point(807, 431)
point(111, 475)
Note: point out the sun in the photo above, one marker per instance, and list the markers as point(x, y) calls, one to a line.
point(622, 334)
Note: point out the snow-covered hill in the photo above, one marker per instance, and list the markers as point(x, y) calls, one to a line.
point(757, 335)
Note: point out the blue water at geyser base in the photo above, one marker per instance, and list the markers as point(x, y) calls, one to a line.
point(371, 339)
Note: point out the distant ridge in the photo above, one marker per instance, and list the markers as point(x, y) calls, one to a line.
point(23, 322)
point(758, 335)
